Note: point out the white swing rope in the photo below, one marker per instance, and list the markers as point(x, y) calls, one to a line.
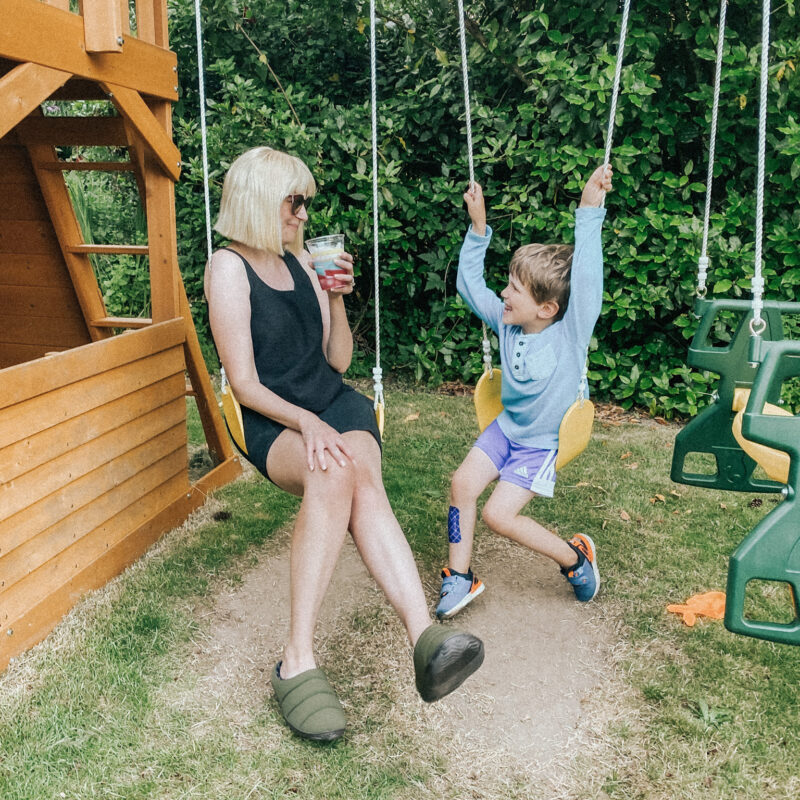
point(201, 87)
point(757, 323)
point(703, 262)
point(462, 36)
point(377, 372)
point(623, 33)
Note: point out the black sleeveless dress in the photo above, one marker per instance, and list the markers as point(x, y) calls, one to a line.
point(286, 328)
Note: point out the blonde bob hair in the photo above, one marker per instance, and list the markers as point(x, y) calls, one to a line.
point(257, 183)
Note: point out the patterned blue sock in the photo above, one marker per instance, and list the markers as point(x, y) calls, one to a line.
point(453, 526)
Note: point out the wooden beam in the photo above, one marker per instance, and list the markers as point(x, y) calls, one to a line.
point(122, 322)
point(145, 21)
point(109, 249)
point(75, 131)
point(136, 151)
point(45, 35)
point(125, 16)
point(219, 443)
point(65, 224)
point(23, 89)
point(160, 22)
point(89, 166)
point(135, 110)
point(229, 470)
point(165, 279)
point(102, 26)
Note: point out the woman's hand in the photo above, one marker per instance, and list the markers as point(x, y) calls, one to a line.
point(345, 262)
point(319, 437)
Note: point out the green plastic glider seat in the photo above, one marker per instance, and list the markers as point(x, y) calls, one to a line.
point(771, 551)
point(711, 431)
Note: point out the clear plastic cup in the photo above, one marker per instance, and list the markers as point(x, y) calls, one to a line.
point(324, 249)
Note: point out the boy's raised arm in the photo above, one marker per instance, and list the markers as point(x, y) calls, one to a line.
point(586, 293)
point(470, 282)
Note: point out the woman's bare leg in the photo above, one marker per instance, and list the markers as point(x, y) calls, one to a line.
point(380, 540)
point(317, 539)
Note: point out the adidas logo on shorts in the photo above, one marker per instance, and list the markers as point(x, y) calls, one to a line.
point(523, 471)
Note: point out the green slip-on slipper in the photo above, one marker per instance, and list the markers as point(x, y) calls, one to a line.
point(443, 659)
point(309, 705)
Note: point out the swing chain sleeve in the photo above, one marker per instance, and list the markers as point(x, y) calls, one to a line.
point(584, 384)
point(487, 352)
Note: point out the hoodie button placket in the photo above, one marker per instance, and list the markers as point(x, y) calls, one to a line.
point(518, 354)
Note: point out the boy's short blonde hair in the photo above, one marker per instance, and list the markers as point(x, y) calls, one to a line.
point(544, 270)
point(256, 184)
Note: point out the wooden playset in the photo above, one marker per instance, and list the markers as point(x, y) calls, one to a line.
point(93, 435)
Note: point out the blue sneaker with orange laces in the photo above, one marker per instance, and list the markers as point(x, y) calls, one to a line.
point(584, 575)
point(457, 591)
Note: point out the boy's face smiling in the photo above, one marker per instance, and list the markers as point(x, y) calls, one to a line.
point(522, 309)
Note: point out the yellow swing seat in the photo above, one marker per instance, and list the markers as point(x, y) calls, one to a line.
point(380, 417)
point(233, 416)
point(775, 463)
point(488, 404)
point(575, 429)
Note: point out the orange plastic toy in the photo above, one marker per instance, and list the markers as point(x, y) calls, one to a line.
point(708, 604)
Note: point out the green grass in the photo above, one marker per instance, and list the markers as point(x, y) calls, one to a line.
point(712, 715)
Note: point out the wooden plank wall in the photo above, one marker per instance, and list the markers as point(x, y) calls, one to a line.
point(93, 468)
point(39, 311)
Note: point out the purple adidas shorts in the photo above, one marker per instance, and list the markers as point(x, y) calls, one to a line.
point(529, 467)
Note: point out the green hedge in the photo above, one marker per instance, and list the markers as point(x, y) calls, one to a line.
point(541, 75)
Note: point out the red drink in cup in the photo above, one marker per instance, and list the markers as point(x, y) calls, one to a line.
point(324, 250)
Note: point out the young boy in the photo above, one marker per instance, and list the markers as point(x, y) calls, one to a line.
point(544, 323)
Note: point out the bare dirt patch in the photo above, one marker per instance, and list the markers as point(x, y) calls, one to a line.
point(537, 700)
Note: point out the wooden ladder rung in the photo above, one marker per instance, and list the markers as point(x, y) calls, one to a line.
point(121, 322)
point(97, 166)
point(110, 249)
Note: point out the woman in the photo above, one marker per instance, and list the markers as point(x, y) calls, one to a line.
point(285, 343)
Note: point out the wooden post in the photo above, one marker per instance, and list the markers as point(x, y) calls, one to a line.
point(102, 26)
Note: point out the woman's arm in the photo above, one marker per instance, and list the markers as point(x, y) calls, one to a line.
point(337, 338)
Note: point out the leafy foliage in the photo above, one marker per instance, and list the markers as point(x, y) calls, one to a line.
point(295, 75)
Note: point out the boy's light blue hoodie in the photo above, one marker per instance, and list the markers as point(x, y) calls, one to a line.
point(541, 371)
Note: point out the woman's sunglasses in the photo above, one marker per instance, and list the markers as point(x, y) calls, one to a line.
point(298, 201)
